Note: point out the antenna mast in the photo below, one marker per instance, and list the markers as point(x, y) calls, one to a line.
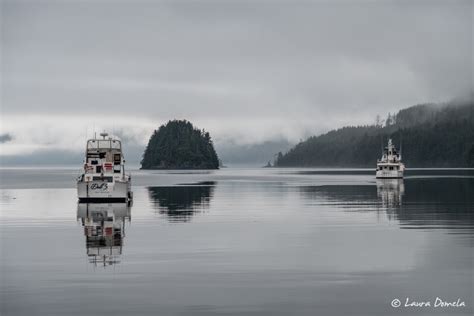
point(401, 137)
point(381, 143)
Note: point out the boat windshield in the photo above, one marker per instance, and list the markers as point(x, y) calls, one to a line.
point(104, 144)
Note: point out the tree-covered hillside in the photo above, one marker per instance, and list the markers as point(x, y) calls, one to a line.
point(432, 135)
point(178, 145)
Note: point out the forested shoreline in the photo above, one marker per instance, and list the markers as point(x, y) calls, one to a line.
point(431, 135)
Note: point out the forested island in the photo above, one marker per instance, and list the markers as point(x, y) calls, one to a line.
point(179, 145)
point(432, 135)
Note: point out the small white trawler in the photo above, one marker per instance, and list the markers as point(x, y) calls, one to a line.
point(390, 166)
point(104, 177)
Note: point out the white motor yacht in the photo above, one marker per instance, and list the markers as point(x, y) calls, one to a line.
point(103, 177)
point(390, 166)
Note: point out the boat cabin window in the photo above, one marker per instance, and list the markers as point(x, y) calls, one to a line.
point(104, 144)
point(98, 169)
point(391, 168)
point(94, 162)
point(116, 158)
point(108, 179)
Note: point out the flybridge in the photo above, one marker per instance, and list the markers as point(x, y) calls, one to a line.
point(104, 143)
point(104, 156)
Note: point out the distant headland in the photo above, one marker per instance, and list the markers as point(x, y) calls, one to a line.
point(432, 135)
point(179, 145)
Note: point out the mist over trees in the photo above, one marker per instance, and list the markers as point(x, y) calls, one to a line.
point(432, 135)
point(179, 145)
point(259, 154)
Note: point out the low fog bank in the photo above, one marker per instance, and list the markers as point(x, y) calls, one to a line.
point(230, 153)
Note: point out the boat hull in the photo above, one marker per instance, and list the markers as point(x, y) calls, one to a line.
point(389, 174)
point(102, 191)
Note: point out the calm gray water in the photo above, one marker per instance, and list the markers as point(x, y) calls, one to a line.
point(238, 242)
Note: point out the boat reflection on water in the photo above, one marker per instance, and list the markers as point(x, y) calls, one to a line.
point(390, 192)
point(104, 229)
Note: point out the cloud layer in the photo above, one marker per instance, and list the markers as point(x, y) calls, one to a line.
point(245, 70)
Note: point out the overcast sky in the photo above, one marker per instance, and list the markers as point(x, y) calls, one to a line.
point(244, 70)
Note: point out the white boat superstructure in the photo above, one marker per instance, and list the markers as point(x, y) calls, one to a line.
point(104, 178)
point(390, 166)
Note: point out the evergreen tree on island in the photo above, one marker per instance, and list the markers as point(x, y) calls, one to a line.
point(179, 145)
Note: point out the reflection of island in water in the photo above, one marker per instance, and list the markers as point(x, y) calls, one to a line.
point(180, 202)
point(104, 229)
point(440, 202)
